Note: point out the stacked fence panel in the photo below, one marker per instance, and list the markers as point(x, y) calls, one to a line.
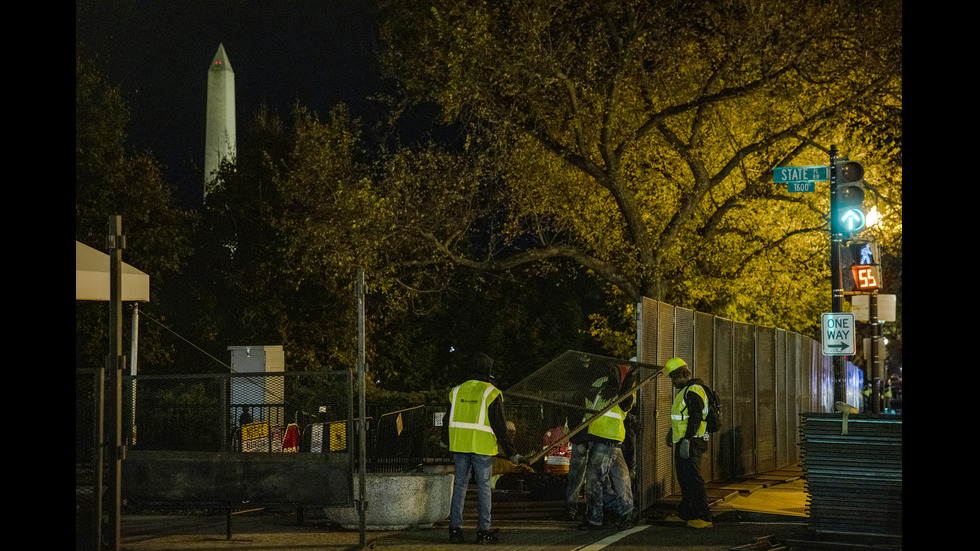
point(853, 472)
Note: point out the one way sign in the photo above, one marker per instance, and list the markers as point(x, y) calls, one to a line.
point(837, 330)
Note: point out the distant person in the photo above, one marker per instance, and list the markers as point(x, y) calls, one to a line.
point(558, 458)
point(690, 441)
point(474, 428)
point(245, 418)
point(607, 477)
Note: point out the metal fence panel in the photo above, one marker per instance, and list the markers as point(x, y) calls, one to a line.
point(766, 378)
point(785, 398)
point(766, 405)
point(665, 331)
point(654, 345)
point(704, 335)
point(744, 404)
point(684, 338)
point(854, 473)
point(665, 396)
point(723, 442)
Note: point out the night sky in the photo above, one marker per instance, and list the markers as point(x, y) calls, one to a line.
point(316, 53)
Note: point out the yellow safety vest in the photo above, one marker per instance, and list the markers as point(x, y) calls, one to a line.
point(469, 426)
point(610, 425)
point(679, 414)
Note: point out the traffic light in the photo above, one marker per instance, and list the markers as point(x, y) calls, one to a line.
point(850, 196)
point(860, 269)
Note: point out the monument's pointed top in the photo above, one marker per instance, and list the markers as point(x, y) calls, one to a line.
point(220, 61)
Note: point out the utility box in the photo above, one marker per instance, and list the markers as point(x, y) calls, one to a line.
point(257, 396)
point(257, 359)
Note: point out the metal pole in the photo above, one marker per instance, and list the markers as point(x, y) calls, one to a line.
point(98, 462)
point(362, 504)
point(132, 370)
point(873, 358)
point(115, 243)
point(837, 293)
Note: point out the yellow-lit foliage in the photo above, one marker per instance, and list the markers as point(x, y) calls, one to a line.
point(641, 136)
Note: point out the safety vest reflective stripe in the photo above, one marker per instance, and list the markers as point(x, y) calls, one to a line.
point(610, 424)
point(679, 415)
point(614, 414)
point(469, 428)
point(481, 423)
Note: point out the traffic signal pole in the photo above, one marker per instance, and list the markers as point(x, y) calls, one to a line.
point(837, 291)
point(875, 362)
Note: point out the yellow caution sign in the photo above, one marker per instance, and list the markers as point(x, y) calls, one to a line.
point(338, 436)
point(254, 431)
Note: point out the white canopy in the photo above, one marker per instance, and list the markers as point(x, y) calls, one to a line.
point(92, 277)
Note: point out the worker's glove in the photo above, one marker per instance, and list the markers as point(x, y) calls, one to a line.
point(685, 449)
point(517, 459)
point(582, 449)
point(670, 437)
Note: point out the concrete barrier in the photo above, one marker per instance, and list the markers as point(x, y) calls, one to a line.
point(398, 501)
point(232, 479)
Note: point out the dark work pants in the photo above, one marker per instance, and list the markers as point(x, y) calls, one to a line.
point(694, 498)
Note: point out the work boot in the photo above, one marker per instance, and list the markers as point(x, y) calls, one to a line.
point(455, 535)
point(589, 527)
point(628, 520)
point(486, 536)
point(699, 523)
point(674, 518)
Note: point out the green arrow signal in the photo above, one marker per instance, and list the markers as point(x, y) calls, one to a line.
point(853, 219)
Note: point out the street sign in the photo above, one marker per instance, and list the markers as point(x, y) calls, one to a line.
point(792, 174)
point(795, 187)
point(837, 331)
point(861, 307)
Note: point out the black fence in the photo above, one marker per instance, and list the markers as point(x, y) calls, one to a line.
point(282, 412)
point(249, 412)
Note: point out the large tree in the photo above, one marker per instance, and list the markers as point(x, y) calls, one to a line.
point(639, 138)
point(110, 180)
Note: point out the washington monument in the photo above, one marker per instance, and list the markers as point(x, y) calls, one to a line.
point(219, 139)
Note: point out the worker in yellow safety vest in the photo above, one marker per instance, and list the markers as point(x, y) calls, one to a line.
point(688, 437)
point(473, 428)
point(606, 467)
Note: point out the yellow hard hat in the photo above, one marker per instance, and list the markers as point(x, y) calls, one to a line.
point(673, 364)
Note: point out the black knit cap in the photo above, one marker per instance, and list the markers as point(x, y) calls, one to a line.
point(480, 367)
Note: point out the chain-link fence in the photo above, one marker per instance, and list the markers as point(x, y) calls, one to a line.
point(561, 398)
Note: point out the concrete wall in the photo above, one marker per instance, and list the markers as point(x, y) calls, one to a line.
point(229, 478)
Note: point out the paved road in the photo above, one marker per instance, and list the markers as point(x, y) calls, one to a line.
point(277, 530)
point(775, 512)
point(769, 515)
